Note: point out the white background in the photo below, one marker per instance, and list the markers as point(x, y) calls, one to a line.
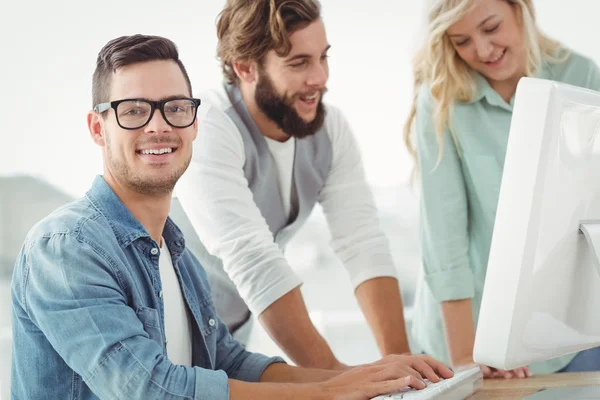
point(48, 55)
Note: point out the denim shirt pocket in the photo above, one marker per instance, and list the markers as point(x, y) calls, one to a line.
point(209, 323)
point(151, 322)
point(205, 317)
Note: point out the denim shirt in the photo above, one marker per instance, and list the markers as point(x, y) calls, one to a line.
point(88, 314)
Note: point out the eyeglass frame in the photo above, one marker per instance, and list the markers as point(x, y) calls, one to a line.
point(154, 105)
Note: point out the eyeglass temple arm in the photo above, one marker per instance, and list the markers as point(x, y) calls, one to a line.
point(102, 107)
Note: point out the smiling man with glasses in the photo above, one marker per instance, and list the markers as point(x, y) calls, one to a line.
point(107, 301)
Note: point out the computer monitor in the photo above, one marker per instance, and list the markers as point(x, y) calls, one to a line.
point(541, 297)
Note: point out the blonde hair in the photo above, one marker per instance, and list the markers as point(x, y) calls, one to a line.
point(450, 79)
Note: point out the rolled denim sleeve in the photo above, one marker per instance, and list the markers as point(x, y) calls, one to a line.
point(71, 290)
point(232, 357)
point(444, 236)
point(237, 362)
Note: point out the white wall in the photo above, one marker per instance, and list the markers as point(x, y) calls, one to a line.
point(49, 49)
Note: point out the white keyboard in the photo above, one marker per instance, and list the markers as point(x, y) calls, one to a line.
point(460, 386)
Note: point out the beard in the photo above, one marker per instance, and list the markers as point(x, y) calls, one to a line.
point(280, 109)
point(155, 183)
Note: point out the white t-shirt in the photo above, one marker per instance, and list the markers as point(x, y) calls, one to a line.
point(216, 198)
point(178, 328)
point(283, 155)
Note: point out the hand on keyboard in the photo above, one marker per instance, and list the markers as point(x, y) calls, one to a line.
point(390, 374)
point(426, 366)
point(462, 385)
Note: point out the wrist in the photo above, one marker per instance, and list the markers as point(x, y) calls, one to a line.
point(318, 391)
point(329, 363)
point(464, 361)
point(340, 367)
point(398, 348)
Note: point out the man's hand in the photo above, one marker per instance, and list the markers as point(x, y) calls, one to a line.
point(425, 365)
point(390, 374)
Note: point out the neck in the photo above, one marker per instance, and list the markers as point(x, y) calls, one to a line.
point(508, 87)
point(151, 211)
point(267, 127)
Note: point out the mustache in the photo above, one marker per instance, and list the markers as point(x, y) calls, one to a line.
point(321, 91)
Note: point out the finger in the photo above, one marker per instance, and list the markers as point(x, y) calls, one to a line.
point(416, 383)
point(426, 370)
point(507, 374)
point(394, 385)
point(519, 373)
point(390, 372)
point(487, 371)
point(526, 372)
point(411, 371)
point(497, 373)
point(441, 369)
point(401, 369)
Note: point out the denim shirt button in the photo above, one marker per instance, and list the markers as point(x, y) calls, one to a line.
point(212, 322)
point(160, 294)
point(154, 251)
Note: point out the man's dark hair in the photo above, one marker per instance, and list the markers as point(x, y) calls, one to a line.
point(127, 50)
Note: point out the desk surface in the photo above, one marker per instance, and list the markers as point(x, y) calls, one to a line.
point(513, 389)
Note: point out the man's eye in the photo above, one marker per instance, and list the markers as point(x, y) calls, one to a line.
point(134, 111)
point(299, 64)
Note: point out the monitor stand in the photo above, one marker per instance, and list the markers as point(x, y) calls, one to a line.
point(573, 392)
point(591, 230)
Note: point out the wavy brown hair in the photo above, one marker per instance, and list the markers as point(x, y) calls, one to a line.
point(248, 29)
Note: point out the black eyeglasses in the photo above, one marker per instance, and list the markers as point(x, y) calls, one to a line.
point(136, 113)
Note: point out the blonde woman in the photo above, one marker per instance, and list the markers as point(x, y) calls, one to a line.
point(465, 80)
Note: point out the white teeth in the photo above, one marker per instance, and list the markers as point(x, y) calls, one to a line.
point(157, 151)
point(309, 98)
point(497, 58)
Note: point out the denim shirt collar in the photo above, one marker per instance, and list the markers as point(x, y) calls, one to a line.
point(125, 225)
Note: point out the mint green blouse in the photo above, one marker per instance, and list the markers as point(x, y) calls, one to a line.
point(459, 199)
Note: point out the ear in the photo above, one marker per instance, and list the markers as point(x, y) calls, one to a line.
point(96, 127)
point(246, 71)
